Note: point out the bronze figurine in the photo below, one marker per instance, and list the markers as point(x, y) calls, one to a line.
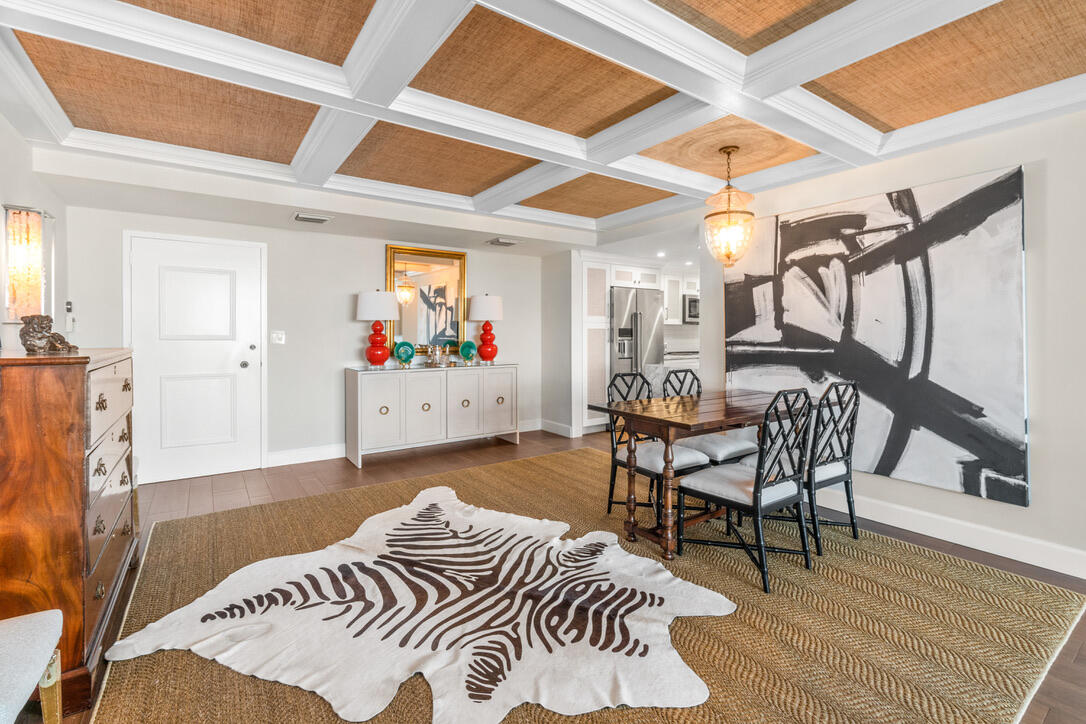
point(38, 337)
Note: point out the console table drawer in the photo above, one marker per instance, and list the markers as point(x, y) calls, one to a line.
point(103, 459)
point(99, 584)
point(103, 514)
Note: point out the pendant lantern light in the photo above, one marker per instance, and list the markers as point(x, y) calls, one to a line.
point(729, 227)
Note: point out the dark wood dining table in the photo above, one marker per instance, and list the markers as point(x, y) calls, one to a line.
point(670, 419)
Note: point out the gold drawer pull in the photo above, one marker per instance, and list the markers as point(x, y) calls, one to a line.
point(100, 468)
point(99, 591)
point(127, 530)
point(102, 402)
point(124, 479)
point(126, 386)
point(426, 407)
point(383, 409)
point(501, 400)
point(124, 435)
point(99, 526)
point(465, 403)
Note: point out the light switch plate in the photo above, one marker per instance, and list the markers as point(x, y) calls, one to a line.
point(278, 336)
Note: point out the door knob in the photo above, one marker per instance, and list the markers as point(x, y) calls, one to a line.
point(252, 346)
point(244, 364)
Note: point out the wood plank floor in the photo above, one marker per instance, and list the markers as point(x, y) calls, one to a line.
point(1061, 698)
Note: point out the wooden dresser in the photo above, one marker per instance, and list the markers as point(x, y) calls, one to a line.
point(67, 525)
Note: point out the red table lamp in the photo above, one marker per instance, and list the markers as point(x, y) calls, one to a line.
point(486, 309)
point(377, 306)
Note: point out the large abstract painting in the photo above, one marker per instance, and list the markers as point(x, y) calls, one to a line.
point(915, 294)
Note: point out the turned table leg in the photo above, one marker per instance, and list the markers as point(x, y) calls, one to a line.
point(668, 542)
point(631, 487)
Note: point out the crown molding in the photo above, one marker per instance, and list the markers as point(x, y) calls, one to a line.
point(667, 119)
point(856, 31)
point(787, 173)
point(397, 39)
point(700, 185)
point(397, 192)
point(537, 179)
point(542, 216)
point(818, 113)
point(1064, 96)
point(636, 215)
point(138, 148)
point(47, 120)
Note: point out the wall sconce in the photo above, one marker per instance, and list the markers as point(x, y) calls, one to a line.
point(26, 253)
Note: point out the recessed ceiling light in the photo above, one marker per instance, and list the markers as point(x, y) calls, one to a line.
point(689, 263)
point(661, 254)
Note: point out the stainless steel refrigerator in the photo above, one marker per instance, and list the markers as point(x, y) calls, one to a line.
point(637, 329)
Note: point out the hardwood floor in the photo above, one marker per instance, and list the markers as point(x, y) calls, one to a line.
point(1061, 698)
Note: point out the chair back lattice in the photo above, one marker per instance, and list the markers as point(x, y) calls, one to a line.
point(626, 386)
point(835, 425)
point(681, 382)
point(782, 449)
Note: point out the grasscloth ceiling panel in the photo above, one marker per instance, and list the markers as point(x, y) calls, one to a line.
point(110, 93)
point(401, 155)
point(750, 25)
point(321, 29)
point(595, 196)
point(1004, 49)
point(493, 62)
point(699, 149)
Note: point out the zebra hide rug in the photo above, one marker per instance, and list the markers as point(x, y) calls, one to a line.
point(492, 608)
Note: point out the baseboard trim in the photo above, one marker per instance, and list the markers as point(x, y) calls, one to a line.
point(557, 428)
point(305, 455)
point(530, 425)
point(1036, 552)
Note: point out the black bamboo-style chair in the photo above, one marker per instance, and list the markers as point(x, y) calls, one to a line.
point(832, 439)
point(650, 453)
point(719, 447)
point(775, 483)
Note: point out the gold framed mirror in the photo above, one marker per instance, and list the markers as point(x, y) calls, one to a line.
point(430, 286)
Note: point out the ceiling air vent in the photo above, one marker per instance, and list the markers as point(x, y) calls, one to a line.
point(501, 242)
point(311, 218)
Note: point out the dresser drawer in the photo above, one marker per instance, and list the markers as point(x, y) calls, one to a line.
point(99, 584)
point(106, 509)
point(109, 391)
point(103, 459)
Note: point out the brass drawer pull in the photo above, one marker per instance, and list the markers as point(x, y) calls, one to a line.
point(99, 591)
point(100, 468)
point(426, 407)
point(102, 402)
point(127, 530)
point(465, 403)
point(126, 386)
point(124, 479)
point(383, 409)
point(501, 400)
point(99, 526)
point(124, 436)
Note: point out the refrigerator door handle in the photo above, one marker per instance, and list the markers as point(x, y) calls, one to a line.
point(637, 341)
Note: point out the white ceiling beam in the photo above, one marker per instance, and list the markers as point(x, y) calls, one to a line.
point(791, 172)
point(536, 180)
point(543, 216)
point(856, 31)
point(397, 39)
point(399, 36)
point(1064, 96)
point(667, 119)
point(636, 215)
point(801, 104)
point(25, 100)
point(643, 37)
point(703, 184)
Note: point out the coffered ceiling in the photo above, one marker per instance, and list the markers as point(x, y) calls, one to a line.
point(579, 114)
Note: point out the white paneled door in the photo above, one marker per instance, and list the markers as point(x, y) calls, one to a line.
point(196, 336)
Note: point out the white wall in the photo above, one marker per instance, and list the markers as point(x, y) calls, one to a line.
point(312, 282)
point(557, 324)
point(1053, 156)
point(20, 187)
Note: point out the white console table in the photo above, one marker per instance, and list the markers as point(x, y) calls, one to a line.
point(394, 409)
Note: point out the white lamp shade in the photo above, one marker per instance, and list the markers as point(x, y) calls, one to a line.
point(377, 305)
point(485, 308)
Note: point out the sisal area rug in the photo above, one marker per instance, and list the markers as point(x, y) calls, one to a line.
point(490, 607)
point(880, 630)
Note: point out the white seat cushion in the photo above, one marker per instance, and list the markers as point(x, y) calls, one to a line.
point(735, 482)
point(650, 456)
point(26, 645)
point(832, 470)
point(721, 446)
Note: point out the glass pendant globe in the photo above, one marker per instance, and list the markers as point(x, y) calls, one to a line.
point(406, 291)
point(728, 227)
